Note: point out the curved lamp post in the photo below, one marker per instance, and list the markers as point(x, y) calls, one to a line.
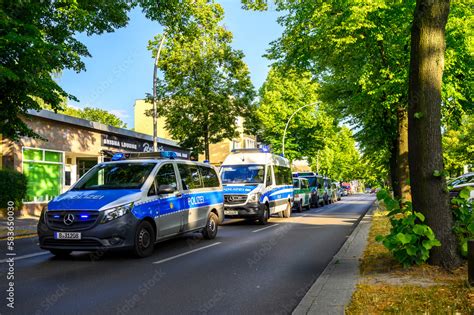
point(288, 123)
point(155, 118)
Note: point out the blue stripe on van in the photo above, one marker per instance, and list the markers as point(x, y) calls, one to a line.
point(274, 195)
point(166, 206)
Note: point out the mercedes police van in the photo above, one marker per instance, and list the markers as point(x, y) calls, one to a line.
point(256, 184)
point(133, 202)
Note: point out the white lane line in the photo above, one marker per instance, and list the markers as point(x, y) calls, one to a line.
point(186, 253)
point(267, 227)
point(25, 256)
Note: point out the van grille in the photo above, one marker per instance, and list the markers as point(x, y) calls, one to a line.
point(72, 243)
point(235, 199)
point(82, 220)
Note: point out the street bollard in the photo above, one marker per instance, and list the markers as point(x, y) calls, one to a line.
point(470, 262)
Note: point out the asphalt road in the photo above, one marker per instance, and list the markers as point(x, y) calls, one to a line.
point(248, 268)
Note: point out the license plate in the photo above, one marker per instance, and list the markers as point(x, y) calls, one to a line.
point(67, 235)
point(231, 212)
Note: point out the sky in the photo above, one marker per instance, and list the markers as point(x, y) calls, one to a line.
point(121, 67)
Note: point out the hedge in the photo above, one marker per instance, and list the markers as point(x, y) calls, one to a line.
point(12, 188)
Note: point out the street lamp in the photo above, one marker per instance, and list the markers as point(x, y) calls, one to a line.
point(288, 123)
point(155, 70)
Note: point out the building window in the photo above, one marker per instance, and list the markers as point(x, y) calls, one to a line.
point(44, 170)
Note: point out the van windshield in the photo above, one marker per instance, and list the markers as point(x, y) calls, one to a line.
point(312, 181)
point(116, 176)
point(243, 174)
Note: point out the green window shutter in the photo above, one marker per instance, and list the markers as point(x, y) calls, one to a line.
point(44, 180)
point(33, 154)
point(50, 156)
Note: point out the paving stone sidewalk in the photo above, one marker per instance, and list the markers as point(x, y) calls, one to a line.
point(23, 226)
point(333, 290)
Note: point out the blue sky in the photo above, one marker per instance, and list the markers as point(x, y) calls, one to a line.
point(121, 67)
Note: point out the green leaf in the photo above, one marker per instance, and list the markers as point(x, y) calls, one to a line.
point(419, 229)
point(437, 173)
point(404, 238)
point(382, 194)
point(411, 250)
point(465, 193)
point(379, 238)
point(418, 115)
point(420, 216)
point(391, 204)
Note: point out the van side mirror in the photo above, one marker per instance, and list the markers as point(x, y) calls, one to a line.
point(166, 189)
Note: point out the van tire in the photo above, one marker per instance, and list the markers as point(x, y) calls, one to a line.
point(299, 207)
point(209, 232)
point(62, 253)
point(144, 240)
point(287, 212)
point(264, 215)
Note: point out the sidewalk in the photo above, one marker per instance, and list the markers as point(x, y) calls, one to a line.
point(333, 290)
point(23, 226)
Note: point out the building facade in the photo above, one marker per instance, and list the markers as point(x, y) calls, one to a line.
point(69, 148)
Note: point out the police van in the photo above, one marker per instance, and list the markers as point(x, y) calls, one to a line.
point(132, 202)
point(256, 184)
point(316, 184)
point(302, 194)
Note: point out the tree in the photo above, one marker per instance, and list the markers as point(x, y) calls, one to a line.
point(38, 38)
point(430, 194)
point(458, 146)
point(95, 114)
point(339, 159)
point(359, 52)
point(280, 96)
point(206, 83)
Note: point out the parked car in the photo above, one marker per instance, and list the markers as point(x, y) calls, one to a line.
point(457, 184)
point(132, 204)
point(302, 194)
point(257, 184)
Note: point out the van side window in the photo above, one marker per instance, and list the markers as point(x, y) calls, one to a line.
point(269, 176)
point(282, 175)
point(190, 177)
point(209, 176)
point(166, 176)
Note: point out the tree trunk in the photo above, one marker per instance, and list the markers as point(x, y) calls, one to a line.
point(206, 143)
point(402, 169)
point(393, 170)
point(429, 192)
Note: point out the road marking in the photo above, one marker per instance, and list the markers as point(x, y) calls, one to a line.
point(25, 256)
point(186, 253)
point(267, 227)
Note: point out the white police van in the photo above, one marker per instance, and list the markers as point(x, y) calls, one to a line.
point(132, 204)
point(256, 184)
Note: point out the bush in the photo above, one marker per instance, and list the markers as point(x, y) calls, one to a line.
point(12, 188)
point(463, 219)
point(410, 241)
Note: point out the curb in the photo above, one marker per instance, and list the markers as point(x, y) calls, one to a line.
point(317, 301)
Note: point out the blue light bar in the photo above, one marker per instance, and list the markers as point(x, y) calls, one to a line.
point(56, 216)
point(168, 154)
point(118, 156)
point(84, 216)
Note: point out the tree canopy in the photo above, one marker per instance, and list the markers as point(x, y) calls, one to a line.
point(206, 83)
point(38, 38)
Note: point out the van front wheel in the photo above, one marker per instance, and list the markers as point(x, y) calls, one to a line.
point(264, 215)
point(144, 240)
point(210, 230)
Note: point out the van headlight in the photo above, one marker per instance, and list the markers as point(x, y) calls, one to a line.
point(116, 212)
point(253, 198)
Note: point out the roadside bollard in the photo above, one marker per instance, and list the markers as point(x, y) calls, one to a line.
point(470, 262)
